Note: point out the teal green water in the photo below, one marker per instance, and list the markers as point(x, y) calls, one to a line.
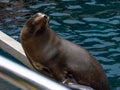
point(93, 24)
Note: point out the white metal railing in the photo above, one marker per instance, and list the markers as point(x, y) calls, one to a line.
point(25, 78)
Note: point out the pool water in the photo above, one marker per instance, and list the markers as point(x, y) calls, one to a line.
point(93, 24)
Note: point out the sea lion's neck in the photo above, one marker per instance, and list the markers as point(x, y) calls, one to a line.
point(43, 30)
point(25, 34)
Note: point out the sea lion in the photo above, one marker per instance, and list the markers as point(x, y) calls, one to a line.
point(66, 61)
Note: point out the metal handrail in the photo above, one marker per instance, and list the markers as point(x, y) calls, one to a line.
point(25, 78)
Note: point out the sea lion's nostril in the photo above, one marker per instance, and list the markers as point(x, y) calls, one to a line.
point(45, 16)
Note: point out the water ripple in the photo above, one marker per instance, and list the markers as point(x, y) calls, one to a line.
point(36, 6)
point(73, 7)
point(54, 22)
point(73, 22)
point(93, 19)
point(59, 14)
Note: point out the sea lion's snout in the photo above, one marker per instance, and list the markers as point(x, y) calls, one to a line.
point(37, 22)
point(41, 15)
point(39, 18)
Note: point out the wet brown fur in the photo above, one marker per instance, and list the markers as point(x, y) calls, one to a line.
point(62, 58)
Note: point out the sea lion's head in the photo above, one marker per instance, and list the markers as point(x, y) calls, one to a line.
point(37, 23)
point(34, 26)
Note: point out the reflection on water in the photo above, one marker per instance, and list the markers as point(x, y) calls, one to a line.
point(11, 12)
point(94, 24)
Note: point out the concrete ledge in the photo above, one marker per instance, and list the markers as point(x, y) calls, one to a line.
point(14, 48)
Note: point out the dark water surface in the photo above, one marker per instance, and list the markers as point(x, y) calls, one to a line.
point(93, 24)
